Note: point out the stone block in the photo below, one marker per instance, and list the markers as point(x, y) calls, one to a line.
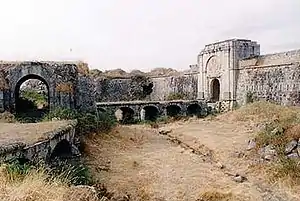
point(227, 96)
point(201, 95)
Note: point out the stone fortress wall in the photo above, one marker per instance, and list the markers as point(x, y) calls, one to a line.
point(161, 87)
point(226, 73)
point(272, 77)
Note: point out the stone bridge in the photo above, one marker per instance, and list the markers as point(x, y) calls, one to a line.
point(151, 110)
point(35, 147)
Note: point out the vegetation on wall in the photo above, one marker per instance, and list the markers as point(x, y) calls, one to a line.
point(176, 96)
point(38, 99)
point(87, 122)
point(250, 97)
point(140, 87)
point(65, 87)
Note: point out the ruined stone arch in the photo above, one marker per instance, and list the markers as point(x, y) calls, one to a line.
point(17, 88)
point(66, 86)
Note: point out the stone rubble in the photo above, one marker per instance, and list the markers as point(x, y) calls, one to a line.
point(269, 153)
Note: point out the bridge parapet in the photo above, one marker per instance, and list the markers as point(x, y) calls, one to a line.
point(41, 150)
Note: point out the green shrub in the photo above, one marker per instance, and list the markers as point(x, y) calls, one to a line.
point(72, 173)
point(250, 97)
point(87, 122)
point(16, 169)
point(33, 96)
point(61, 113)
point(68, 171)
point(176, 96)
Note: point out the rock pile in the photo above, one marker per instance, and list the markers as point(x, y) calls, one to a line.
point(269, 152)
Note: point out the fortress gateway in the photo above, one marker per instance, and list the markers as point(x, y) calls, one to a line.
point(227, 73)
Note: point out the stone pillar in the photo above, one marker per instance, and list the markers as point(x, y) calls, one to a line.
point(2, 101)
point(200, 93)
point(143, 114)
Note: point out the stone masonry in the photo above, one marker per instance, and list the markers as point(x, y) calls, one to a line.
point(68, 86)
point(224, 74)
point(43, 149)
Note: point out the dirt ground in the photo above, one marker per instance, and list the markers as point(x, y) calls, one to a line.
point(27, 133)
point(184, 165)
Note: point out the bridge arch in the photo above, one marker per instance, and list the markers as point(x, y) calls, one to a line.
point(194, 110)
point(151, 112)
point(125, 115)
point(173, 110)
point(62, 150)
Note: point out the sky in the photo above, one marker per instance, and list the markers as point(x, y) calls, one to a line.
point(141, 34)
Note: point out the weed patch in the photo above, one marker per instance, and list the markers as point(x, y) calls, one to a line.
point(87, 122)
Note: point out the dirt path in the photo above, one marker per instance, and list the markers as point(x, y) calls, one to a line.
point(138, 161)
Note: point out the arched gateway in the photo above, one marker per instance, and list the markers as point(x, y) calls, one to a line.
point(66, 83)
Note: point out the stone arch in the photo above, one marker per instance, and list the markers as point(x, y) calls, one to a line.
point(215, 90)
point(213, 67)
point(194, 109)
point(18, 103)
point(65, 89)
point(62, 150)
point(173, 110)
point(151, 112)
point(125, 115)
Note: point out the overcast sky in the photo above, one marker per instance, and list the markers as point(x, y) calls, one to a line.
point(141, 34)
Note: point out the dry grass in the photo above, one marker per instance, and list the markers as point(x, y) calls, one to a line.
point(261, 111)
point(286, 121)
point(215, 195)
point(37, 186)
point(286, 171)
point(65, 87)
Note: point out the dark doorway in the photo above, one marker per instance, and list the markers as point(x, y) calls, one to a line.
point(32, 98)
point(151, 113)
point(215, 90)
point(173, 110)
point(194, 110)
point(125, 115)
